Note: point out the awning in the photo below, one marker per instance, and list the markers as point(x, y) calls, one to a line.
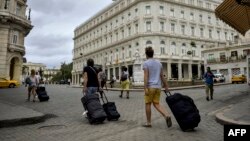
point(234, 14)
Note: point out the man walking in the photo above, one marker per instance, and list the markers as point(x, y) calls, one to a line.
point(153, 78)
point(209, 82)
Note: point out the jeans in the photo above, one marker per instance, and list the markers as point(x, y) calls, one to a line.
point(91, 90)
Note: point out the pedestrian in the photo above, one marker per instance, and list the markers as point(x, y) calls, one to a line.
point(124, 81)
point(91, 82)
point(113, 79)
point(28, 85)
point(33, 82)
point(102, 77)
point(153, 79)
point(38, 77)
point(209, 83)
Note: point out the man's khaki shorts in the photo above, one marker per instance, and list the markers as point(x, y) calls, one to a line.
point(152, 95)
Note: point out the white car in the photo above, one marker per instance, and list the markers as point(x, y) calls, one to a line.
point(219, 77)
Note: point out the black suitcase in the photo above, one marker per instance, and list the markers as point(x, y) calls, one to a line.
point(96, 113)
point(110, 109)
point(184, 110)
point(42, 94)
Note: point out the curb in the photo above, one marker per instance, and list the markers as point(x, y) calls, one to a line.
point(140, 90)
point(220, 118)
point(22, 121)
point(224, 120)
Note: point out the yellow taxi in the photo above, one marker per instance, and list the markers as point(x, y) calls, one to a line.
point(239, 78)
point(8, 83)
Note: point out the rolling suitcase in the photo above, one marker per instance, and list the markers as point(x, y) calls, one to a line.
point(184, 110)
point(42, 94)
point(110, 109)
point(96, 113)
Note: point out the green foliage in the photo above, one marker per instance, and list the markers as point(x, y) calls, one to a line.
point(65, 72)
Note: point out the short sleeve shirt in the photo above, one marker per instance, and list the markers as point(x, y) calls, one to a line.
point(92, 76)
point(154, 69)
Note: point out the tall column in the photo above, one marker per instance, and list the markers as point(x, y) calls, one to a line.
point(199, 70)
point(179, 71)
point(78, 79)
point(190, 75)
point(73, 75)
point(75, 79)
point(169, 70)
point(229, 75)
point(108, 69)
point(120, 73)
point(242, 71)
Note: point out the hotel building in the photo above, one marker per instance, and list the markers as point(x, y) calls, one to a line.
point(178, 30)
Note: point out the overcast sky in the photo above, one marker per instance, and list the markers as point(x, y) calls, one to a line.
point(51, 40)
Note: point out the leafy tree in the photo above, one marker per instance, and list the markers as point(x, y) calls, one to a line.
point(65, 72)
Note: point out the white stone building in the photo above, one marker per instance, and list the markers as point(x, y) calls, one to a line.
point(14, 27)
point(229, 60)
point(112, 36)
point(27, 67)
point(49, 73)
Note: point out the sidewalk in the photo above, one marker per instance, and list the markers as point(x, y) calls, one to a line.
point(15, 115)
point(238, 114)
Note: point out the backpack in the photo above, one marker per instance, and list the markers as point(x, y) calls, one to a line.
point(124, 76)
point(103, 76)
point(28, 81)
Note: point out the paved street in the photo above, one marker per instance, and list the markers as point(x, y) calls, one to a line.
point(65, 122)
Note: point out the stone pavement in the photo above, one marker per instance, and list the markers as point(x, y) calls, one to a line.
point(68, 124)
point(14, 115)
point(18, 115)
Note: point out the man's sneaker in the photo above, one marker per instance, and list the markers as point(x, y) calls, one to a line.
point(84, 113)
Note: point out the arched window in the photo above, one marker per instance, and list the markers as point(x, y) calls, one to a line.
point(162, 47)
point(184, 49)
point(173, 48)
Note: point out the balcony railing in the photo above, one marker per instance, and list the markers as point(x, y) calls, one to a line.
point(233, 59)
point(16, 48)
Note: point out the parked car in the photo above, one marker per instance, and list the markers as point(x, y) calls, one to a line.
point(8, 83)
point(239, 78)
point(219, 77)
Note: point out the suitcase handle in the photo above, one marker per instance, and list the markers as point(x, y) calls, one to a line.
point(166, 92)
point(105, 97)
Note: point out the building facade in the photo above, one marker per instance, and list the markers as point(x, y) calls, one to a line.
point(48, 74)
point(229, 60)
point(178, 30)
point(27, 67)
point(14, 27)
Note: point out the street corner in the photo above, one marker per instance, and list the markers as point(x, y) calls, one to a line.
point(227, 116)
point(18, 115)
